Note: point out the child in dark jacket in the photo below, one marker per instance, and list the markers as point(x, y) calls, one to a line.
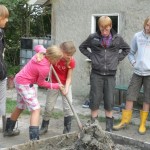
point(4, 14)
point(107, 50)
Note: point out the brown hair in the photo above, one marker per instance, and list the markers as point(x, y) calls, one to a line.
point(4, 13)
point(68, 47)
point(146, 20)
point(104, 21)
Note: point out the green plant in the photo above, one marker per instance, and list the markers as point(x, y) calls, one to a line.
point(24, 21)
point(12, 70)
point(11, 104)
point(57, 114)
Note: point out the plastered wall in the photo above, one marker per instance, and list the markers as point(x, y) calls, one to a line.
point(71, 20)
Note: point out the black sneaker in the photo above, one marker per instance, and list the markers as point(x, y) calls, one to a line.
point(86, 104)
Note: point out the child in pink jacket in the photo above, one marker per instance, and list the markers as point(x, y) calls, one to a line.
point(34, 72)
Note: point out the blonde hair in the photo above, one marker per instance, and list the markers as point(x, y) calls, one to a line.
point(146, 20)
point(68, 47)
point(104, 21)
point(52, 53)
point(4, 13)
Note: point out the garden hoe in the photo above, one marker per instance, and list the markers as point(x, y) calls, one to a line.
point(93, 129)
point(67, 98)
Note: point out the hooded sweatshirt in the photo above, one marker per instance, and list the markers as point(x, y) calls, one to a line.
point(35, 72)
point(139, 55)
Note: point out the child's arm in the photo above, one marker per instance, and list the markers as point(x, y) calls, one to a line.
point(68, 81)
point(43, 83)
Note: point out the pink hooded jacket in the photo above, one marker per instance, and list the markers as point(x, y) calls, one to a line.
point(35, 72)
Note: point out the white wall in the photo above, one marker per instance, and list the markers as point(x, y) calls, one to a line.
point(30, 2)
point(71, 20)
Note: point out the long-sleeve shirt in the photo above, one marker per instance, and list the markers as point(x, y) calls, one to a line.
point(35, 72)
point(139, 55)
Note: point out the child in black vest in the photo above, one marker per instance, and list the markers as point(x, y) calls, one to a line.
point(4, 14)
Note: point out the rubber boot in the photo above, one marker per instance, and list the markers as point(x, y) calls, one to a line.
point(67, 124)
point(143, 117)
point(34, 133)
point(44, 127)
point(109, 124)
point(126, 118)
point(9, 130)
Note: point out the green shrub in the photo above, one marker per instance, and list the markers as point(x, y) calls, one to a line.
point(12, 70)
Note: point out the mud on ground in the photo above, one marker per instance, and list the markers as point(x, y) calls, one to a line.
point(56, 128)
point(93, 137)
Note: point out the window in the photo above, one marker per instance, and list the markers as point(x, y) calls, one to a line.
point(114, 17)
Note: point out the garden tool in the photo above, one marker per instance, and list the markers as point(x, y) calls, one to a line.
point(71, 106)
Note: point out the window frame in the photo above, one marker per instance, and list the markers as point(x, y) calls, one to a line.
point(93, 21)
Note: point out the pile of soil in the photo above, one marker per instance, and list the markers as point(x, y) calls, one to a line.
point(95, 138)
point(92, 138)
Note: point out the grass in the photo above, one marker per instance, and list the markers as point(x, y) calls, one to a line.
point(11, 104)
point(57, 114)
point(83, 116)
point(100, 118)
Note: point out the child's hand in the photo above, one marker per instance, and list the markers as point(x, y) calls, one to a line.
point(62, 89)
point(65, 91)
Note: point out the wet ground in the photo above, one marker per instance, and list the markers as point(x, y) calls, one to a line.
point(56, 125)
point(93, 137)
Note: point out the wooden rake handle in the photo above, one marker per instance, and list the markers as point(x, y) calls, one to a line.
point(72, 108)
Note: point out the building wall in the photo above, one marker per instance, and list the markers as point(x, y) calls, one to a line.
point(71, 20)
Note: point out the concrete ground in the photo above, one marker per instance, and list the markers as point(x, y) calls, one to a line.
point(23, 121)
point(56, 127)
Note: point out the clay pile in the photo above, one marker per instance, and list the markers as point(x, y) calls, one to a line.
point(92, 138)
point(95, 138)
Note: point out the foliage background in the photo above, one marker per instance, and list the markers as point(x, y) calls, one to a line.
point(24, 21)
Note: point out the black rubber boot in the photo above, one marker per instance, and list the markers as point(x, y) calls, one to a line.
point(34, 133)
point(109, 124)
point(9, 130)
point(67, 124)
point(44, 127)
